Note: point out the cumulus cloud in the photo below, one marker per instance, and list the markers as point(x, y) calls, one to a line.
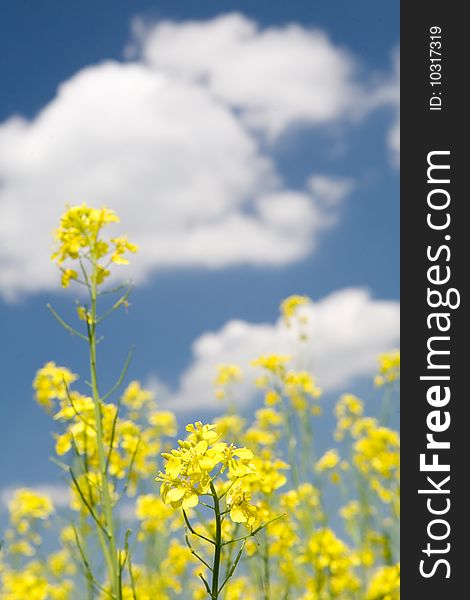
point(346, 331)
point(172, 142)
point(275, 77)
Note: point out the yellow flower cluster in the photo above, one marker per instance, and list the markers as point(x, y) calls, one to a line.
point(333, 564)
point(347, 411)
point(32, 583)
point(385, 584)
point(389, 368)
point(226, 376)
point(126, 442)
point(377, 457)
point(190, 469)
point(255, 491)
point(51, 383)
point(78, 237)
point(31, 576)
point(27, 504)
point(153, 514)
point(298, 387)
point(291, 311)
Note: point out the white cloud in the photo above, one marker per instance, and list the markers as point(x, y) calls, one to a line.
point(387, 93)
point(275, 76)
point(347, 330)
point(190, 184)
point(172, 143)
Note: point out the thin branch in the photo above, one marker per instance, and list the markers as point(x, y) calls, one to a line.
point(89, 573)
point(116, 305)
point(194, 553)
point(254, 532)
point(229, 487)
point(113, 433)
point(66, 325)
point(120, 568)
point(231, 571)
point(131, 467)
point(69, 398)
point(113, 290)
point(87, 504)
point(258, 529)
point(195, 532)
point(59, 463)
point(121, 376)
point(131, 576)
point(85, 274)
point(206, 584)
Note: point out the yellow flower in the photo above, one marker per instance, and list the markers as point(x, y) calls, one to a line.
point(177, 492)
point(121, 246)
point(267, 417)
point(241, 511)
point(67, 276)
point(238, 460)
point(378, 452)
point(333, 563)
point(60, 564)
point(79, 237)
point(26, 503)
point(28, 582)
point(22, 547)
point(271, 398)
point(79, 229)
point(164, 422)
point(199, 432)
point(256, 436)
point(377, 456)
point(385, 585)
point(84, 315)
point(189, 469)
point(135, 397)
point(300, 387)
point(275, 363)
point(389, 368)
point(240, 589)
point(226, 376)
point(51, 383)
point(267, 473)
point(350, 510)
point(328, 461)
point(233, 424)
point(348, 410)
point(152, 513)
point(290, 306)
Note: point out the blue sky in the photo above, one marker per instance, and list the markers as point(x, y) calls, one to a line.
point(326, 167)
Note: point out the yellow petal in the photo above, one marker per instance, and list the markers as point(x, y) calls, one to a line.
point(175, 494)
point(237, 515)
point(190, 501)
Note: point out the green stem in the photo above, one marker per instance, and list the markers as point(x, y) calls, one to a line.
point(102, 457)
point(267, 577)
point(218, 545)
point(291, 447)
point(386, 410)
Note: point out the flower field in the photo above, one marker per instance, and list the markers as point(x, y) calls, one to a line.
point(236, 509)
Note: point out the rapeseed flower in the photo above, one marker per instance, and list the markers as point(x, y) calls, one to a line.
point(389, 368)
